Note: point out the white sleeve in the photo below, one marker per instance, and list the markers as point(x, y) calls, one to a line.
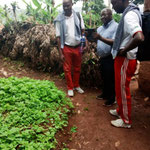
point(57, 27)
point(82, 22)
point(132, 23)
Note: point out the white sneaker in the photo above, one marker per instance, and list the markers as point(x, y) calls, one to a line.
point(70, 93)
point(119, 123)
point(114, 112)
point(79, 90)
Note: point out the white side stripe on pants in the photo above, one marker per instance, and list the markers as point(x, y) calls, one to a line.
point(123, 89)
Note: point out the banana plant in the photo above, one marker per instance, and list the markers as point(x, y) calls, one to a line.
point(44, 12)
point(51, 9)
point(31, 11)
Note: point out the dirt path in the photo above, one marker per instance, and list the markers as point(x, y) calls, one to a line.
point(91, 118)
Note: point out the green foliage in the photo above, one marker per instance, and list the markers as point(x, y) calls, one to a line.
point(91, 13)
point(39, 11)
point(116, 17)
point(65, 149)
point(31, 113)
point(86, 109)
point(4, 14)
point(6, 17)
point(73, 129)
point(139, 1)
point(95, 20)
point(44, 12)
point(95, 5)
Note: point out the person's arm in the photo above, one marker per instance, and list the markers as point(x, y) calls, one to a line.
point(133, 28)
point(83, 33)
point(59, 49)
point(105, 40)
point(82, 24)
point(133, 43)
point(57, 27)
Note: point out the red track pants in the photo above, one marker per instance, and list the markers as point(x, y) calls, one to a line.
point(71, 64)
point(124, 70)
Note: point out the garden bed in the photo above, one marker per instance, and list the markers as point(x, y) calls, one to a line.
point(32, 112)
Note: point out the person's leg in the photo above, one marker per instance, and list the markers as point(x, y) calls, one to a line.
point(67, 51)
point(110, 81)
point(124, 70)
point(103, 71)
point(76, 67)
point(117, 66)
point(127, 73)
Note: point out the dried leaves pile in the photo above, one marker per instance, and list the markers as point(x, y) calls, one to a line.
point(37, 45)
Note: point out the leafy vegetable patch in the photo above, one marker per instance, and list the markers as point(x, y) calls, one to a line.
point(31, 113)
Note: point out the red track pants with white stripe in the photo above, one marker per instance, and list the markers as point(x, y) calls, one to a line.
point(124, 70)
point(72, 62)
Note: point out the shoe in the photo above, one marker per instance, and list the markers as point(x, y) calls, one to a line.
point(119, 123)
point(114, 112)
point(108, 103)
point(100, 97)
point(115, 102)
point(70, 93)
point(79, 90)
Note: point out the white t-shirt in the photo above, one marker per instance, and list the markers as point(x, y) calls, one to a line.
point(70, 30)
point(131, 26)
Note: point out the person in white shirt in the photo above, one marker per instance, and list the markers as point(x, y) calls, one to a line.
point(128, 36)
point(105, 36)
point(69, 29)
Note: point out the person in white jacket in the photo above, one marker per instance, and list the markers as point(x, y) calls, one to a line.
point(128, 36)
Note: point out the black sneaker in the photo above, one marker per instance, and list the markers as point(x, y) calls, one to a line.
point(109, 103)
point(100, 97)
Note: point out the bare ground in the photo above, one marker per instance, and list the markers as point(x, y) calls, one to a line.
point(92, 119)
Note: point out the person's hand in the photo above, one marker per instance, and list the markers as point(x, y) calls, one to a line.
point(86, 47)
point(122, 52)
point(97, 36)
point(86, 44)
point(62, 58)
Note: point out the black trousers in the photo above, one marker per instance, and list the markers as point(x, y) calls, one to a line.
point(107, 72)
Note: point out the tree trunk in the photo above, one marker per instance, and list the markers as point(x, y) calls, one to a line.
point(146, 5)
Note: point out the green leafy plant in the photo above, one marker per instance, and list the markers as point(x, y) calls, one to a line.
point(43, 11)
point(86, 109)
point(91, 13)
point(31, 113)
point(73, 129)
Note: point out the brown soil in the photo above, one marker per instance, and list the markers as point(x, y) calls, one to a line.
point(91, 118)
point(144, 77)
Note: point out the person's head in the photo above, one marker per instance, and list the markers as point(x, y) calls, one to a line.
point(119, 5)
point(67, 7)
point(106, 15)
